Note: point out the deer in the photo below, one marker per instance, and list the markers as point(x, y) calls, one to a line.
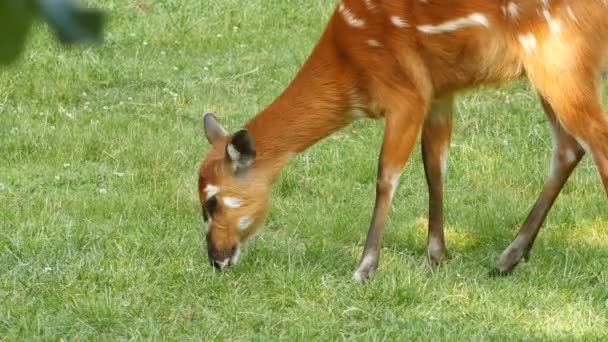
point(405, 61)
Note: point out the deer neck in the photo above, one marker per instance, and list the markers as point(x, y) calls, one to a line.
point(315, 104)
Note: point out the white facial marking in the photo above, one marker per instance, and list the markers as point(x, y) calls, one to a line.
point(399, 22)
point(208, 226)
point(211, 190)
point(223, 264)
point(245, 222)
point(528, 42)
point(233, 153)
point(374, 43)
point(236, 257)
point(475, 19)
point(232, 202)
point(349, 17)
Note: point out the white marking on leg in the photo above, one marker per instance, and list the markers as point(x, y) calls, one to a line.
point(528, 42)
point(232, 202)
point(444, 161)
point(394, 185)
point(349, 17)
point(367, 262)
point(245, 222)
point(399, 22)
point(211, 190)
point(434, 247)
point(555, 150)
point(570, 156)
point(357, 113)
point(583, 144)
point(475, 19)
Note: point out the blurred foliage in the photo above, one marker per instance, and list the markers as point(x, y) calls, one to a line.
point(70, 22)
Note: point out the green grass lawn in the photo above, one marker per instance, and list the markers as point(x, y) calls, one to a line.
point(101, 235)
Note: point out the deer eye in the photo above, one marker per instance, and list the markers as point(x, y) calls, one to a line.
point(209, 207)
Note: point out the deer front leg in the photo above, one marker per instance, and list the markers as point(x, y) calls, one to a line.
point(402, 124)
point(436, 136)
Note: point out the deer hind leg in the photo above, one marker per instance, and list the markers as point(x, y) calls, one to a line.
point(582, 116)
point(436, 136)
point(566, 155)
point(404, 115)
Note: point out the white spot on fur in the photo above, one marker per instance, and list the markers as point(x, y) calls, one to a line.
point(374, 43)
point(571, 13)
point(546, 3)
point(370, 5)
point(349, 17)
point(554, 24)
point(475, 19)
point(528, 42)
point(211, 190)
point(399, 22)
point(232, 202)
point(245, 222)
point(511, 10)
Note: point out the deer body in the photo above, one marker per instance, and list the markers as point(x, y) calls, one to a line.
point(403, 60)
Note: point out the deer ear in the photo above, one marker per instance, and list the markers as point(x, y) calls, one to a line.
point(213, 129)
point(240, 150)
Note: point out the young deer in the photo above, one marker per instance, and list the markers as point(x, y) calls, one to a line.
point(403, 60)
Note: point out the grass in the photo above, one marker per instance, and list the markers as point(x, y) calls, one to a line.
point(101, 235)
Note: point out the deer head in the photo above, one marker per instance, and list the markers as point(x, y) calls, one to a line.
point(234, 196)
